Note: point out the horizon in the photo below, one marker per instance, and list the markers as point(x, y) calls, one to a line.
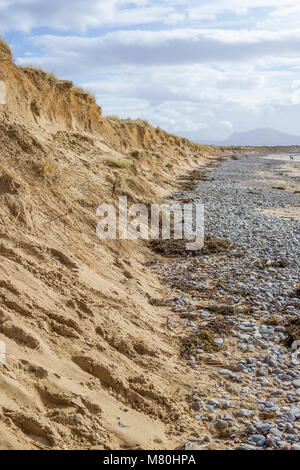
point(201, 71)
point(275, 132)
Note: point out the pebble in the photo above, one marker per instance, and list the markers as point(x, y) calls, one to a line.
point(296, 383)
point(295, 446)
point(226, 372)
point(285, 446)
point(270, 441)
point(259, 439)
point(245, 447)
point(219, 340)
point(196, 405)
point(221, 424)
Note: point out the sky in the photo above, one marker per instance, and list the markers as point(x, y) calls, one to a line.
point(203, 69)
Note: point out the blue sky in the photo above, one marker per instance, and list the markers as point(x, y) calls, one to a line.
point(199, 68)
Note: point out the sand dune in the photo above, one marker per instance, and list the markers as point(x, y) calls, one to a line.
point(89, 362)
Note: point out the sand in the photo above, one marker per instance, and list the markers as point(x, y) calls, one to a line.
point(284, 177)
point(89, 362)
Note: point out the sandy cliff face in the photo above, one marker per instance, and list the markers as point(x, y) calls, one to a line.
point(90, 361)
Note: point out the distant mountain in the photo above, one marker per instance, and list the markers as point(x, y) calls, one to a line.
point(258, 138)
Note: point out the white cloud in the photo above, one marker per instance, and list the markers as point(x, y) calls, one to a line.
point(199, 67)
point(180, 46)
point(295, 84)
point(25, 15)
point(194, 99)
point(227, 125)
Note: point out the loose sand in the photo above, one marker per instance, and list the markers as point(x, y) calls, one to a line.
point(285, 177)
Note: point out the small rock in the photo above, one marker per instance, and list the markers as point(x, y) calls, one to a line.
point(226, 372)
point(220, 424)
point(286, 446)
point(196, 405)
point(245, 447)
point(259, 439)
point(219, 340)
point(270, 441)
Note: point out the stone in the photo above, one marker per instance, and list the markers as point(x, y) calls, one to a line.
point(259, 439)
point(214, 403)
point(245, 447)
point(296, 383)
point(285, 446)
point(196, 405)
point(219, 340)
point(220, 424)
point(270, 441)
point(192, 447)
point(226, 372)
point(263, 427)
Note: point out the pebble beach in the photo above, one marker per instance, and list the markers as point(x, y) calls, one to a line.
point(237, 309)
